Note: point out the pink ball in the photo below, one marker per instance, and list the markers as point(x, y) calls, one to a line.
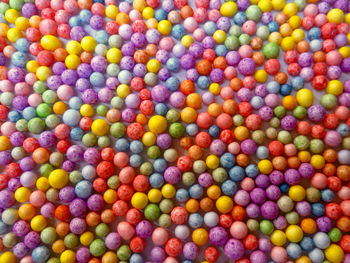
point(230, 73)
point(166, 43)
point(333, 139)
point(171, 260)
point(34, 100)
point(319, 181)
point(247, 184)
point(344, 193)
point(7, 128)
point(56, 4)
point(333, 58)
point(311, 10)
point(126, 230)
point(22, 89)
point(37, 198)
point(160, 236)
point(27, 259)
point(245, 51)
point(199, 34)
point(279, 254)
point(30, 79)
point(320, 20)
point(249, 27)
point(124, 7)
point(234, 147)
point(226, 93)
point(6, 86)
point(190, 24)
point(135, 15)
point(65, 92)
point(290, 149)
point(239, 230)
point(213, 15)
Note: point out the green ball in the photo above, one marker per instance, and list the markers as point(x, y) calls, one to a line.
point(117, 102)
point(97, 248)
point(101, 110)
point(49, 96)
point(56, 159)
point(299, 112)
point(316, 146)
point(258, 136)
point(154, 152)
point(300, 4)
point(46, 169)
point(176, 130)
point(113, 70)
point(48, 235)
point(219, 175)
point(271, 50)
point(36, 125)
point(188, 178)
point(53, 260)
point(115, 41)
point(52, 195)
point(292, 218)
point(75, 177)
point(117, 130)
point(235, 30)
point(254, 13)
point(346, 143)
point(301, 142)
point(263, 32)
point(164, 221)
point(284, 137)
point(89, 139)
point(103, 141)
point(71, 241)
point(124, 252)
point(238, 120)
point(113, 182)
point(146, 168)
point(39, 86)
point(275, 122)
point(266, 227)
point(6, 98)
point(244, 39)
point(3, 7)
point(231, 42)
point(335, 234)
point(329, 101)
point(102, 230)
point(16, 4)
point(152, 212)
point(280, 111)
point(166, 206)
point(18, 153)
point(22, 125)
point(52, 121)
point(271, 133)
point(173, 115)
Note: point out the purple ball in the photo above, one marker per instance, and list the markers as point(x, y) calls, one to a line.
point(144, 229)
point(190, 251)
point(324, 224)
point(5, 158)
point(48, 210)
point(17, 138)
point(77, 226)
point(280, 222)
point(187, 61)
point(59, 67)
point(247, 66)
point(92, 156)
point(162, 56)
point(89, 96)
point(160, 93)
point(258, 257)
point(192, 74)
point(269, 210)
point(217, 75)
point(273, 192)
point(21, 228)
point(262, 181)
point(332, 139)
point(208, 42)
point(205, 179)
point(303, 208)
point(83, 255)
point(77, 207)
point(305, 59)
point(127, 63)
point(264, 244)
point(316, 113)
point(196, 50)
point(27, 164)
point(20, 250)
point(306, 170)
point(29, 10)
point(128, 49)
point(276, 177)
point(77, 33)
point(32, 240)
point(172, 175)
point(234, 249)
point(69, 77)
point(47, 139)
point(218, 236)
point(139, 40)
point(113, 240)
point(289, 123)
point(158, 254)
point(95, 202)
point(75, 153)
point(217, 147)
point(344, 99)
point(253, 211)
point(67, 194)
point(248, 146)
point(292, 177)
point(84, 70)
point(258, 196)
point(265, 113)
point(345, 65)
point(7, 199)
point(164, 141)
point(232, 58)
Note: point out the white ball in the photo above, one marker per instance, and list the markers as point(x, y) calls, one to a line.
point(182, 232)
point(316, 255)
point(322, 240)
point(211, 219)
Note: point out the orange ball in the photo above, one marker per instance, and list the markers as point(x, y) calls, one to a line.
point(192, 205)
point(187, 87)
point(62, 229)
point(214, 109)
point(303, 46)
point(343, 223)
point(242, 159)
point(195, 152)
point(107, 216)
point(151, 50)
point(293, 162)
point(60, 54)
point(308, 225)
point(219, 62)
point(140, 56)
point(206, 204)
point(319, 56)
point(194, 100)
point(258, 58)
point(204, 67)
point(85, 4)
point(86, 57)
point(279, 163)
point(238, 213)
point(236, 84)
point(26, 211)
point(186, 11)
point(93, 219)
point(41, 155)
point(330, 155)
point(281, 78)
point(230, 107)
point(186, 142)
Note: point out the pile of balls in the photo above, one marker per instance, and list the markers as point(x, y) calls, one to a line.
point(175, 131)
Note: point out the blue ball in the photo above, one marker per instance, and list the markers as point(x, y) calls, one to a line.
point(314, 33)
point(203, 82)
point(240, 18)
point(196, 191)
point(83, 189)
point(209, 28)
point(273, 26)
point(122, 145)
point(257, 102)
point(156, 180)
point(22, 45)
point(214, 131)
point(236, 173)
point(29, 113)
point(160, 15)
point(227, 160)
point(285, 90)
point(76, 134)
point(136, 147)
point(273, 87)
point(284, 187)
point(262, 152)
point(221, 50)
point(19, 59)
point(343, 129)
point(297, 83)
point(327, 195)
point(14, 116)
point(136, 258)
point(294, 251)
point(3, 228)
point(101, 37)
point(316, 255)
point(97, 79)
point(161, 109)
point(229, 187)
point(85, 16)
point(135, 160)
point(182, 195)
point(195, 220)
point(172, 83)
point(71, 117)
point(178, 31)
point(75, 103)
point(315, 45)
point(252, 171)
point(307, 244)
point(173, 64)
point(160, 165)
point(75, 21)
point(40, 254)
point(192, 129)
point(317, 209)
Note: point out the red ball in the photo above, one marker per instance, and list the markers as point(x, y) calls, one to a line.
point(105, 169)
point(3, 181)
point(200, 15)
point(139, 26)
point(48, 27)
point(135, 131)
point(333, 211)
point(48, 13)
point(178, 3)
point(30, 144)
point(202, 3)
point(294, 69)
point(211, 254)
point(145, 94)
point(4, 111)
point(63, 146)
point(45, 58)
point(307, 22)
point(137, 244)
point(134, 216)
point(184, 163)
point(63, 31)
point(276, 148)
point(253, 122)
point(272, 66)
point(147, 107)
point(125, 192)
point(35, 48)
point(250, 242)
point(120, 208)
point(320, 68)
point(203, 139)
point(140, 183)
point(225, 221)
point(179, 215)
point(245, 109)
point(107, 154)
point(329, 30)
point(204, 120)
point(328, 45)
point(209, 54)
point(112, 27)
point(303, 128)
point(62, 131)
point(345, 243)
point(224, 120)
point(62, 213)
point(173, 247)
point(319, 82)
point(32, 34)
point(291, 56)
point(334, 183)
point(227, 136)
point(249, 82)
point(98, 9)
point(100, 185)
point(331, 121)
point(85, 123)
point(137, 84)
point(318, 132)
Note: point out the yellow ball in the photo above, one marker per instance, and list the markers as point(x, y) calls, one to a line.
point(214, 192)
point(42, 184)
point(278, 238)
point(168, 191)
point(148, 13)
point(32, 66)
point(111, 11)
point(7, 257)
point(86, 238)
point(88, 43)
point(43, 72)
point(114, 55)
point(100, 127)
point(219, 36)
point(58, 178)
point(275, 37)
point(139, 5)
point(5, 143)
point(335, 87)
point(187, 41)
point(317, 161)
point(13, 34)
point(305, 97)
point(265, 5)
point(22, 194)
point(50, 42)
point(212, 162)
point(68, 256)
point(290, 9)
point(303, 259)
point(74, 47)
point(60, 107)
point(86, 110)
point(153, 65)
point(265, 166)
point(123, 90)
point(4, 28)
point(228, 9)
point(260, 76)
point(188, 115)
point(38, 223)
point(154, 195)
point(334, 253)
point(200, 236)
point(298, 35)
point(149, 139)
point(110, 196)
point(224, 204)
point(297, 193)
point(294, 233)
point(139, 200)
point(22, 23)
point(152, 23)
point(335, 15)
point(344, 51)
point(347, 19)
point(295, 22)
point(304, 156)
point(287, 43)
point(289, 102)
point(157, 124)
point(164, 27)
point(11, 15)
point(278, 4)
point(72, 61)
